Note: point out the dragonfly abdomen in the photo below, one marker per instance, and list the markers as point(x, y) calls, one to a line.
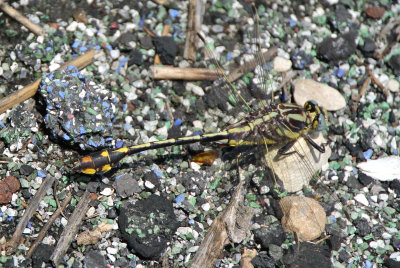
point(103, 161)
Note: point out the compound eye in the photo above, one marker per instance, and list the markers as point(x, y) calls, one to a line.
point(320, 123)
point(310, 105)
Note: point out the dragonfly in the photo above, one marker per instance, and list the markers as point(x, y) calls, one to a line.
point(275, 124)
point(280, 125)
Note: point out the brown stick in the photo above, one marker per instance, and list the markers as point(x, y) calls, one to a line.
point(15, 14)
point(71, 229)
point(33, 206)
point(30, 90)
point(175, 73)
point(250, 65)
point(196, 12)
point(46, 227)
point(232, 225)
point(377, 82)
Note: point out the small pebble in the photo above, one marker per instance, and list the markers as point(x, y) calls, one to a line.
point(149, 185)
point(206, 206)
point(114, 54)
point(281, 64)
point(112, 251)
point(360, 198)
point(326, 96)
point(184, 230)
point(393, 85)
point(195, 89)
point(107, 191)
point(384, 197)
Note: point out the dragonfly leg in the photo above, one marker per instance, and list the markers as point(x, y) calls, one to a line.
point(284, 149)
point(313, 144)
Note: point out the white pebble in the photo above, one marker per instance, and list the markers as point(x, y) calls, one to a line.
point(54, 66)
point(193, 249)
point(206, 206)
point(360, 198)
point(81, 26)
point(138, 84)
point(384, 197)
point(11, 212)
point(183, 230)
point(149, 185)
point(326, 96)
point(195, 89)
point(72, 27)
point(198, 124)
point(112, 251)
point(282, 64)
point(90, 212)
point(386, 236)
point(107, 191)
point(195, 166)
point(64, 221)
point(393, 85)
point(115, 54)
point(14, 67)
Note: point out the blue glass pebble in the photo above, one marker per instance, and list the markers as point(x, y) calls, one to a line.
point(66, 137)
point(62, 94)
point(180, 198)
point(41, 174)
point(338, 72)
point(29, 225)
point(158, 173)
point(2, 124)
point(76, 44)
point(177, 122)
point(191, 221)
point(10, 218)
point(367, 154)
point(368, 264)
point(197, 133)
point(173, 13)
point(119, 144)
point(292, 23)
point(82, 130)
point(109, 47)
point(101, 143)
point(83, 49)
point(91, 143)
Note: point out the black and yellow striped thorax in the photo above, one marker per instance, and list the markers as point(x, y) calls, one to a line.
point(275, 124)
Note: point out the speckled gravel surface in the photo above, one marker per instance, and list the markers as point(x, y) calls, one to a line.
point(332, 42)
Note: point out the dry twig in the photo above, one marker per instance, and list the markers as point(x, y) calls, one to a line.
point(46, 227)
point(31, 89)
point(71, 229)
point(15, 14)
point(33, 206)
point(196, 12)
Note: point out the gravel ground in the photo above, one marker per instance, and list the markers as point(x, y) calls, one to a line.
point(167, 201)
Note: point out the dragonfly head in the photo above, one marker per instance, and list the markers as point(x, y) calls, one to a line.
point(318, 113)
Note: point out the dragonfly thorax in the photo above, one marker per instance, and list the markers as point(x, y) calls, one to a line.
point(278, 124)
